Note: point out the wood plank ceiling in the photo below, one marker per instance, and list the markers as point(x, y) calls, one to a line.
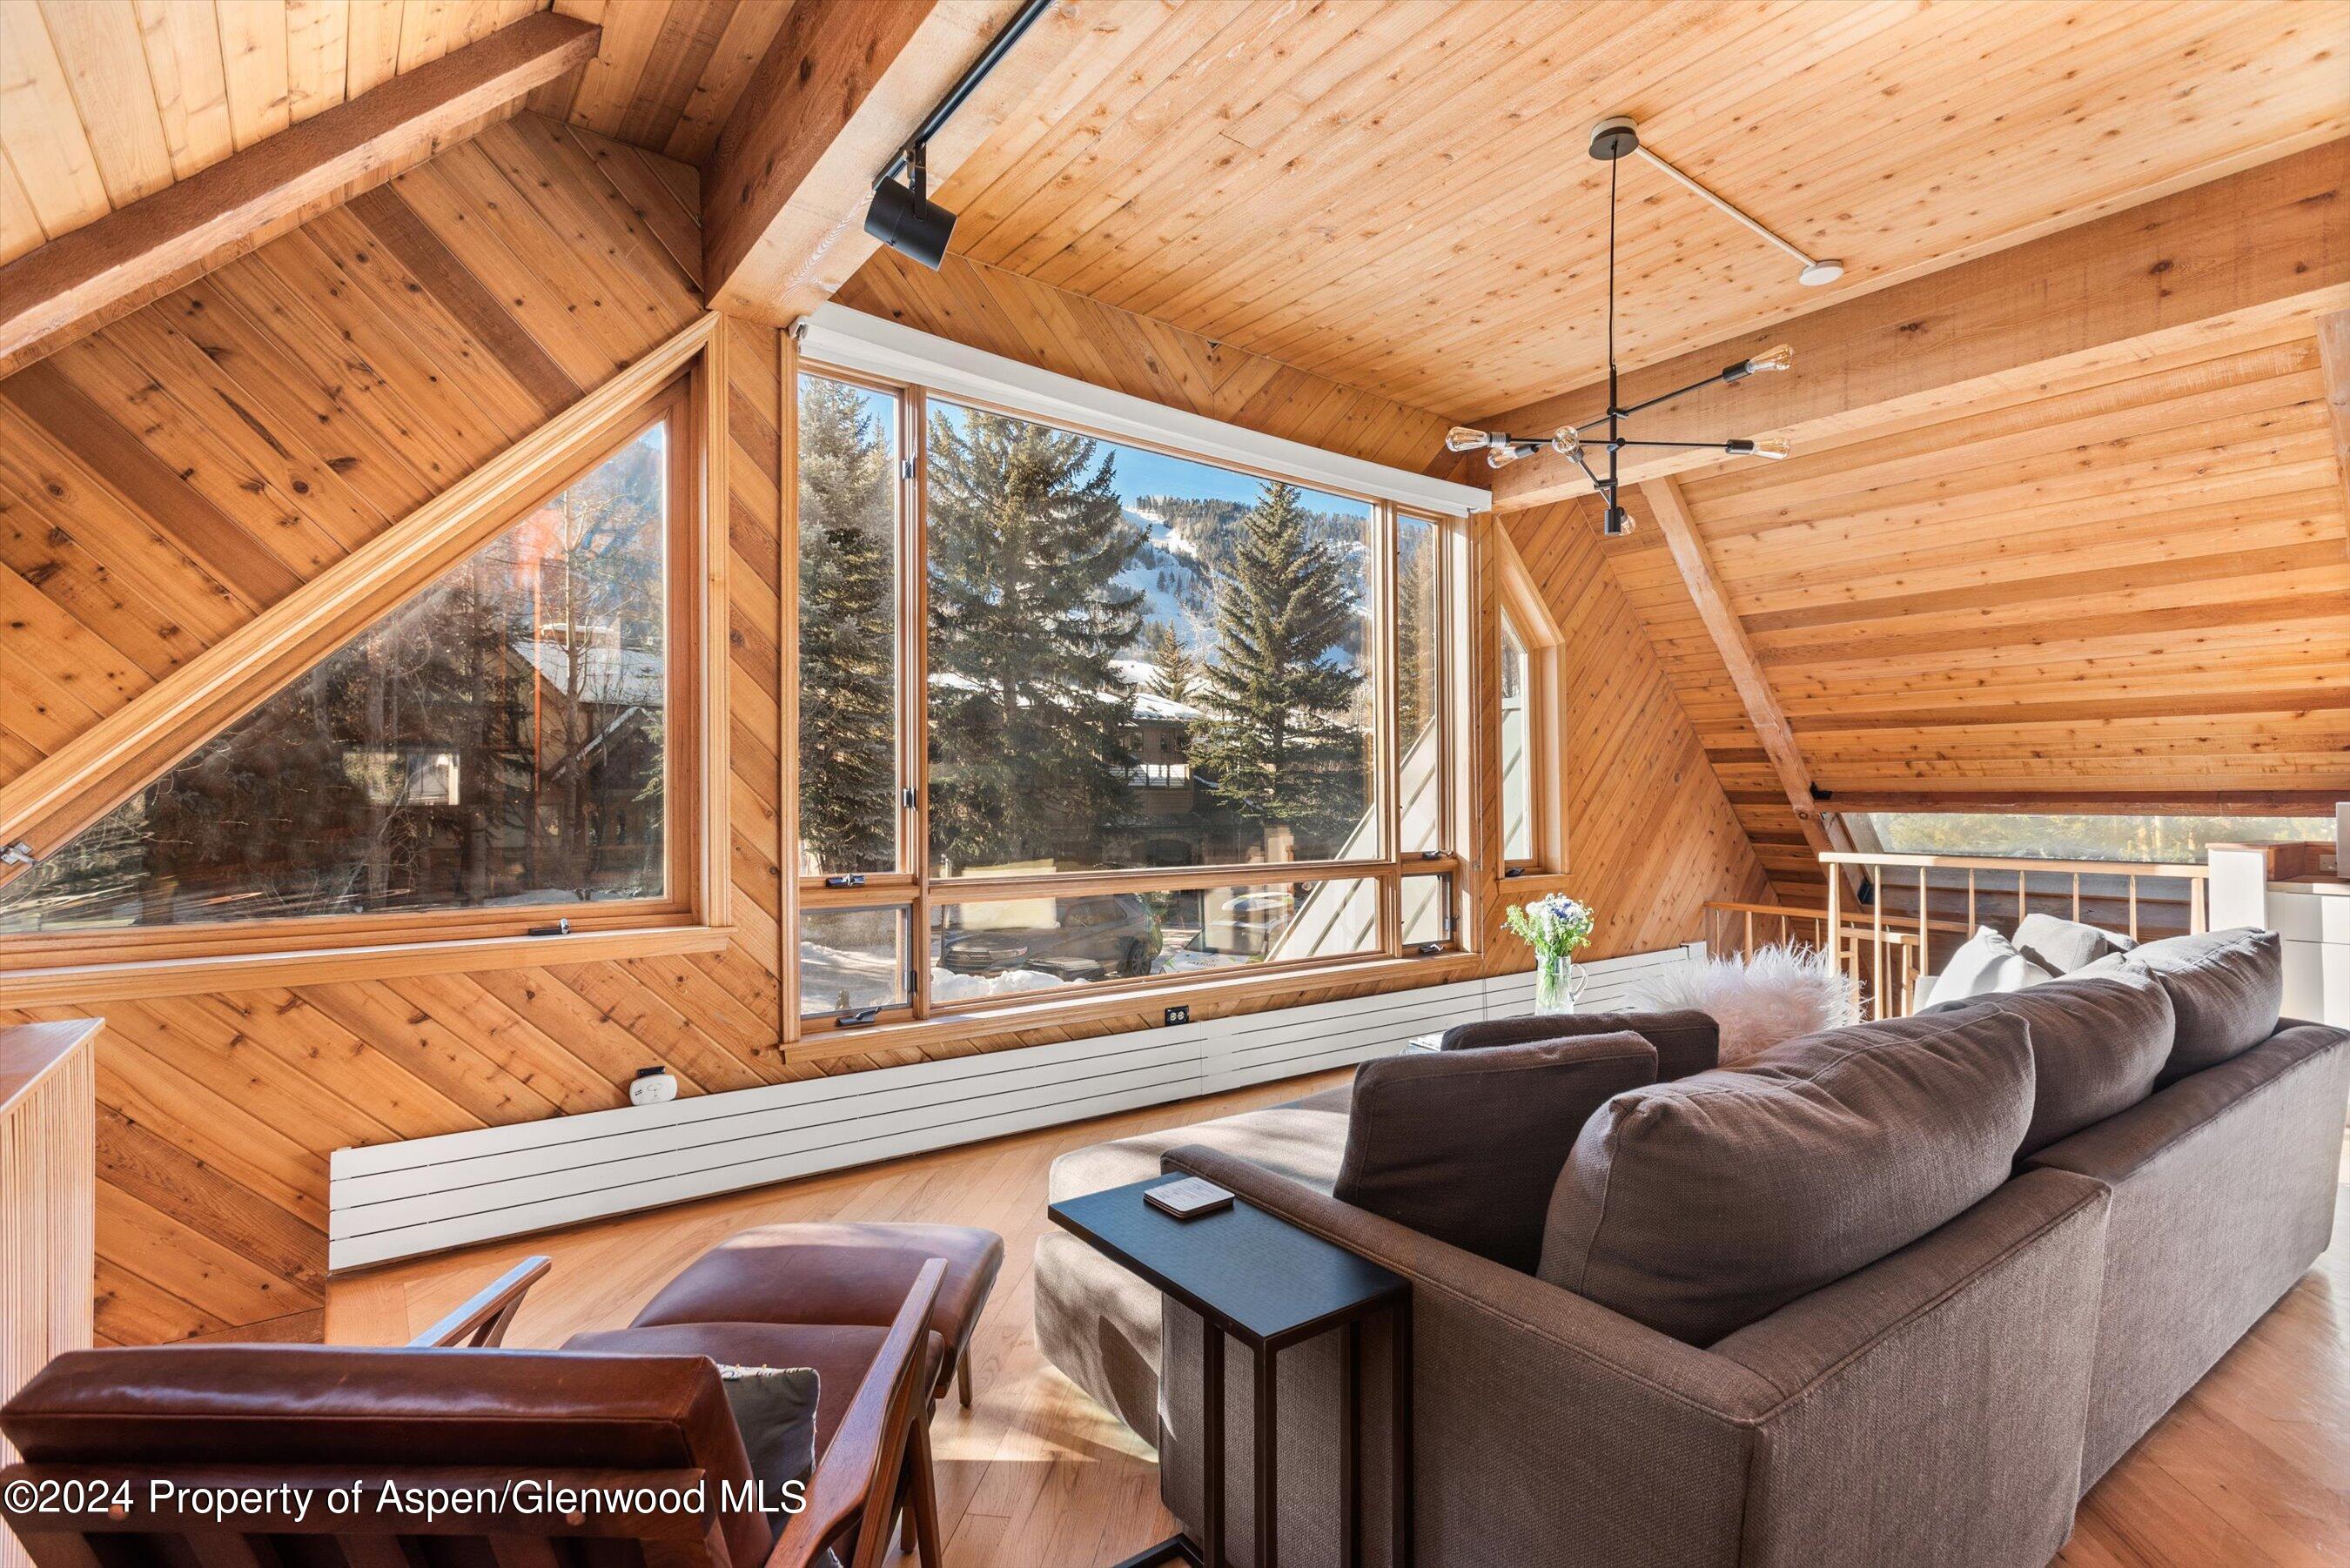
point(2124, 586)
point(1396, 196)
point(104, 101)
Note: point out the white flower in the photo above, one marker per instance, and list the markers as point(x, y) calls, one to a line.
point(1554, 926)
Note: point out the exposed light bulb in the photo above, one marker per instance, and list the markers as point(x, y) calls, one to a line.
point(1460, 438)
point(1782, 358)
point(1500, 456)
point(1566, 444)
point(1776, 447)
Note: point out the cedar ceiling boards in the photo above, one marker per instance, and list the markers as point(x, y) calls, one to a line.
point(1398, 196)
point(104, 101)
point(2123, 587)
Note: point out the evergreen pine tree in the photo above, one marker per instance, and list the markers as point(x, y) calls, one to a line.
point(1278, 746)
point(1178, 676)
point(1415, 631)
point(847, 640)
point(1030, 718)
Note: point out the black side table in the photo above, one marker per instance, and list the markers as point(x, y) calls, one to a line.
point(1269, 1285)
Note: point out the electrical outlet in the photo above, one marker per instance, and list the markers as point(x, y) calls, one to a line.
point(1179, 1015)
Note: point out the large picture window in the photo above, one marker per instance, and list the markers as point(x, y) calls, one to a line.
point(1131, 683)
point(507, 739)
point(850, 479)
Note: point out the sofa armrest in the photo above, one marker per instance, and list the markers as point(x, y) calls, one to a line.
point(1933, 1405)
point(1546, 1429)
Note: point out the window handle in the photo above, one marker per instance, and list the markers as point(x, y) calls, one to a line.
point(857, 880)
point(857, 1020)
point(561, 928)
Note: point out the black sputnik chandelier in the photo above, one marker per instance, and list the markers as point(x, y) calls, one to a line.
point(1612, 140)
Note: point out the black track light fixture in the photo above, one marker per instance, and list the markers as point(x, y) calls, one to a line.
point(1612, 140)
point(903, 217)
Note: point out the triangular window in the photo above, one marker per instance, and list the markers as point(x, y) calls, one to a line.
point(502, 739)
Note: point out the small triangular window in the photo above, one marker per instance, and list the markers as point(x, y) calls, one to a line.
point(502, 739)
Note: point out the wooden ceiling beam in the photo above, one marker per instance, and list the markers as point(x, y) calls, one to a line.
point(2265, 246)
point(843, 87)
point(1769, 720)
point(2333, 363)
point(2095, 802)
point(107, 269)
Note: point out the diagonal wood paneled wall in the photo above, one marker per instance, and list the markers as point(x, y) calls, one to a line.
point(164, 480)
point(1651, 835)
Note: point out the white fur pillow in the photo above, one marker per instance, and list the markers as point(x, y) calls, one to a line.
point(1781, 993)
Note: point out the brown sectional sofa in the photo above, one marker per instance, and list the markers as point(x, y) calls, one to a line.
point(1946, 1402)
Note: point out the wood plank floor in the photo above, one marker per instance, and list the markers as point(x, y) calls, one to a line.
point(2254, 1468)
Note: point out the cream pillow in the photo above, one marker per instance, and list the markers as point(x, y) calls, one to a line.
point(1985, 963)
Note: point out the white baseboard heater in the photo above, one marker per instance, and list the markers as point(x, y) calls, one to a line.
point(399, 1199)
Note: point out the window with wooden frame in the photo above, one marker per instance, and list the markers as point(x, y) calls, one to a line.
point(487, 724)
point(1084, 715)
point(1531, 773)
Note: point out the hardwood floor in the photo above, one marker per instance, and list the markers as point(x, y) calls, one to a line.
point(2253, 1468)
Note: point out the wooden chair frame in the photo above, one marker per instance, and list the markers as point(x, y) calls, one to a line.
point(880, 1460)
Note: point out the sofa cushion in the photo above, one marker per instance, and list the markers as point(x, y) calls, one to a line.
point(1302, 1144)
point(2063, 946)
point(1698, 1207)
point(1985, 963)
point(2097, 1043)
point(1465, 1146)
point(2227, 987)
point(1687, 1041)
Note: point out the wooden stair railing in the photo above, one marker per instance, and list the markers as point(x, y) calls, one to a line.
point(1889, 944)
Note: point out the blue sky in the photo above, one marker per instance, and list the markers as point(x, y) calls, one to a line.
point(1141, 473)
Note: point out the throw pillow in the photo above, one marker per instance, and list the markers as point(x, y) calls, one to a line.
point(1985, 963)
point(2065, 946)
point(2227, 987)
point(1698, 1207)
point(2097, 1045)
point(1465, 1146)
point(1687, 1041)
point(775, 1409)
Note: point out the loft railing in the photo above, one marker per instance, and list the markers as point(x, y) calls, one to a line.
point(1913, 911)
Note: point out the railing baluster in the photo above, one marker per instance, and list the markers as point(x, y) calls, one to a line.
point(2133, 901)
point(1747, 951)
point(2076, 896)
point(1836, 922)
point(1925, 942)
point(1972, 927)
point(1877, 934)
